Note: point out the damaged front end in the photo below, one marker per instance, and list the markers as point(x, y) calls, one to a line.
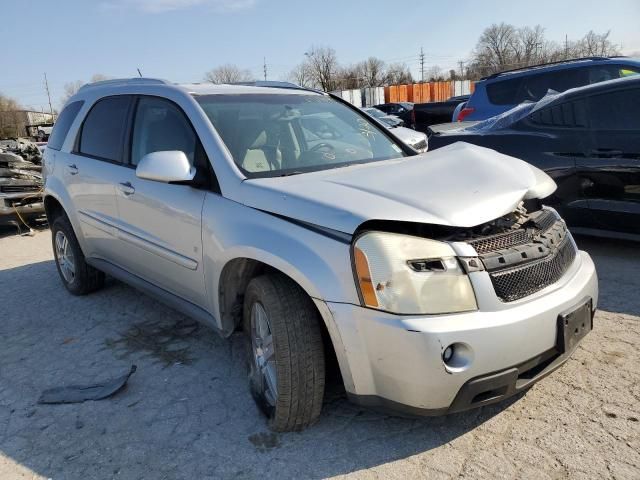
point(523, 252)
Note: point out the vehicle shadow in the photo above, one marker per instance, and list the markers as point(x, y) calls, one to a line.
point(618, 266)
point(186, 412)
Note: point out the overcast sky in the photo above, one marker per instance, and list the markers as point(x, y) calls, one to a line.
point(181, 39)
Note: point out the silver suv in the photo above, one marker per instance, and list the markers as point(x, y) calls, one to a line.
point(437, 281)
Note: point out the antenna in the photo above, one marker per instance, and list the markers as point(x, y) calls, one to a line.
point(139, 72)
point(264, 67)
point(46, 87)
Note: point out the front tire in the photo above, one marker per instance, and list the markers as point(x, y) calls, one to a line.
point(284, 352)
point(78, 277)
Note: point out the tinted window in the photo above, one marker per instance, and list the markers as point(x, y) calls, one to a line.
point(63, 124)
point(615, 110)
point(533, 87)
point(103, 130)
point(568, 114)
point(602, 73)
point(159, 126)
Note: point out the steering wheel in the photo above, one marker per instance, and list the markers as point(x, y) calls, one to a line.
point(320, 146)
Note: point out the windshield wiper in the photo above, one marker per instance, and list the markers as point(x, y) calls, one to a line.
point(288, 174)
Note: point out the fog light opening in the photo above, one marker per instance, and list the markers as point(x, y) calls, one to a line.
point(457, 357)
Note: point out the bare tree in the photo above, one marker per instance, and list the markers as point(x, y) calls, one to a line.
point(71, 88)
point(371, 72)
point(398, 74)
point(504, 47)
point(9, 122)
point(435, 74)
point(323, 67)
point(595, 44)
point(301, 75)
point(228, 73)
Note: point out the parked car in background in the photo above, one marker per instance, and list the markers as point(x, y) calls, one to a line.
point(432, 113)
point(416, 140)
point(390, 120)
point(587, 139)
point(435, 282)
point(502, 91)
point(402, 110)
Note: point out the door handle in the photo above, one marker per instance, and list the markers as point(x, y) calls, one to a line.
point(606, 153)
point(126, 188)
point(72, 169)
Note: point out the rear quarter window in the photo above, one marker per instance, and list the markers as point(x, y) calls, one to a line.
point(63, 124)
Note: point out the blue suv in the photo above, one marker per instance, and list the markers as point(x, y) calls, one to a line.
point(502, 91)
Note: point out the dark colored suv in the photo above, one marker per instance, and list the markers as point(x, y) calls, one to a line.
point(587, 139)
point(502, 91)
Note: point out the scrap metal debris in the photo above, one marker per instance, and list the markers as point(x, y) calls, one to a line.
point(82, 393)
point(21, 182)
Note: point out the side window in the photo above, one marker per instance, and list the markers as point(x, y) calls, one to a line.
point(63, 124)
point(160, 125)
point(615, 110)
point(103, 130)
point(504, 92)
point(602, 73)
point(567, 114)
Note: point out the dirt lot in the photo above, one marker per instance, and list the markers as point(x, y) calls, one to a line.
point(187, 413)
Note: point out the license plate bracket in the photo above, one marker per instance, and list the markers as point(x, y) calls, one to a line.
point(574, 325)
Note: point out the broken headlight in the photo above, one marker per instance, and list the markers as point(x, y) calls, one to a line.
point(410, 275)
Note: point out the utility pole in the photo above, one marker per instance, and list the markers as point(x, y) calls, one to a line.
point(461, 64)
point(566, 46)
point(264, 67)
point(46, 86)
point(421, 65)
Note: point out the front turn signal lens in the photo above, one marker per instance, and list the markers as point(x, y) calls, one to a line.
point(364, 278)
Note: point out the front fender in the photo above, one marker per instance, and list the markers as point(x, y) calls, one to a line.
point(321, 265)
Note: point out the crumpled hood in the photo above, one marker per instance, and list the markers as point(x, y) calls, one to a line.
point(459, 185)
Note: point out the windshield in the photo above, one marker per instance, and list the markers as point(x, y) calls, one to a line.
point(282, 134)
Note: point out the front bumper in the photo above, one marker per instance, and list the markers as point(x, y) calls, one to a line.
point(25, 205)
point(396, 361)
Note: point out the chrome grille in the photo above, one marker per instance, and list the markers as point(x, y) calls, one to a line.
point(543, 222)
point(518, 282)
point(500, 241)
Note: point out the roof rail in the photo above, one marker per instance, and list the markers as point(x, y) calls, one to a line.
point(274, 84)
point(532, 67)
point(126, 81)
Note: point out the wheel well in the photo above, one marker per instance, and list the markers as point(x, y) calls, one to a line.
point(52, 208)
point(234, 280)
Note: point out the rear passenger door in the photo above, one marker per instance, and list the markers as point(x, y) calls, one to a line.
point(610, 170)
point(92, 170)
point(160, 223)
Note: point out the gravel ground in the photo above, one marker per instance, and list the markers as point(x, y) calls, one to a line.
point(187, 413)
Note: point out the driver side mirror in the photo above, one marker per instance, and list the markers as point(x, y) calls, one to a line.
point(171, 166)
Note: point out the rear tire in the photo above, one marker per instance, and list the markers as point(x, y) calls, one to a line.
point(77, 276)
point(294, 353)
